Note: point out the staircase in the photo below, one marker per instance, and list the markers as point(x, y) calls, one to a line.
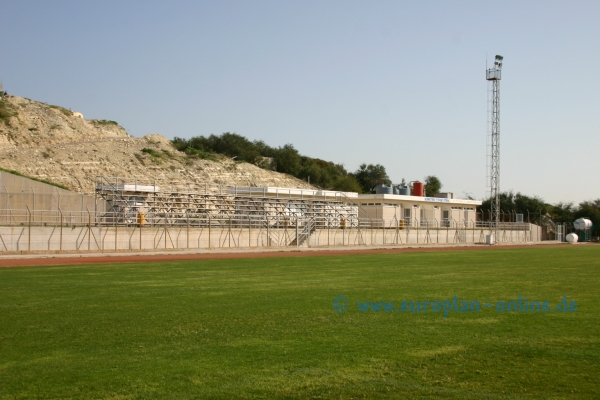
point(305, 228)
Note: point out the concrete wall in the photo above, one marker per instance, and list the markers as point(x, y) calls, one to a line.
point(19, 193)
point(98, 238)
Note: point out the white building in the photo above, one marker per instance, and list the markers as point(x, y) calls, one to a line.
point(417, 210)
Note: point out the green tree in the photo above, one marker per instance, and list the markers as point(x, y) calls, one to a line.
point(511, 202)
point(347, 184)
point(562, 212)
point(234, 145)
point(432, 185)
point(523, 203)
point(180, 143)
point(264, 149)
point(369, 176)
point(288, 160)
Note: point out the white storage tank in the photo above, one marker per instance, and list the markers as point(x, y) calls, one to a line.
point(582, 224)
point(572, 238)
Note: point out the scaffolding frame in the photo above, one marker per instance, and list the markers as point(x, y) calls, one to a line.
point(156, 203)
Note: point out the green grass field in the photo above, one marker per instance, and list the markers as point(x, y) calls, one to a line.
point(267, 328)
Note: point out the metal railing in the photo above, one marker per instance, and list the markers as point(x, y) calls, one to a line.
point(12, 217)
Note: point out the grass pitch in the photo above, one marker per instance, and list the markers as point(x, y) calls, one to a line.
point(267, 328)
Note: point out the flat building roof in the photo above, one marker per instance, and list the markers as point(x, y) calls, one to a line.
point(426, 200)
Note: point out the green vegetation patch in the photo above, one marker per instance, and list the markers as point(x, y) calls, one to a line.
point(7, 110)
point(200, 154)
point(158, 156)
point(266, 328)
point(152, 152)
point(285, 159)
point(45, 155)
point(63, 110)
point(105, 122)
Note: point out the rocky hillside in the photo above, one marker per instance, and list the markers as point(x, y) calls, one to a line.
point(59, 145)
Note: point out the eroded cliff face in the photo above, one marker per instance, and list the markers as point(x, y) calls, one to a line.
point(54, 143)
point(36, 124)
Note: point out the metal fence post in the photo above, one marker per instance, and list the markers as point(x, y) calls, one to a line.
point(89, 230)
point(29, 228)
point(61, 229)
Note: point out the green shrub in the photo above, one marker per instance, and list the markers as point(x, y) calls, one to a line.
point(200, 154)
point(6, 111)
point(152, 152)
point(105, 122)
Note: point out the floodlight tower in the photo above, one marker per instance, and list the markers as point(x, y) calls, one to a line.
point(494, 75)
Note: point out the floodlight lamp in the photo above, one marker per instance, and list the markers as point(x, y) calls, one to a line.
point(499, 58)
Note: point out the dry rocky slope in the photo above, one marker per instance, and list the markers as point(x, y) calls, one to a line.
point(56, 144)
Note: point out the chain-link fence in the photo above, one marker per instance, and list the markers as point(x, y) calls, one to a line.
point(51, 230)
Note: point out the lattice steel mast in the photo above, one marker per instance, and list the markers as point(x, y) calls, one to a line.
point(494, 75)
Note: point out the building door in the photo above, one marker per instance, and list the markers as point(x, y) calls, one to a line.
point(407, 216)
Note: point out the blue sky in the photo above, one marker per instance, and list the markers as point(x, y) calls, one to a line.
point(391, 82)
